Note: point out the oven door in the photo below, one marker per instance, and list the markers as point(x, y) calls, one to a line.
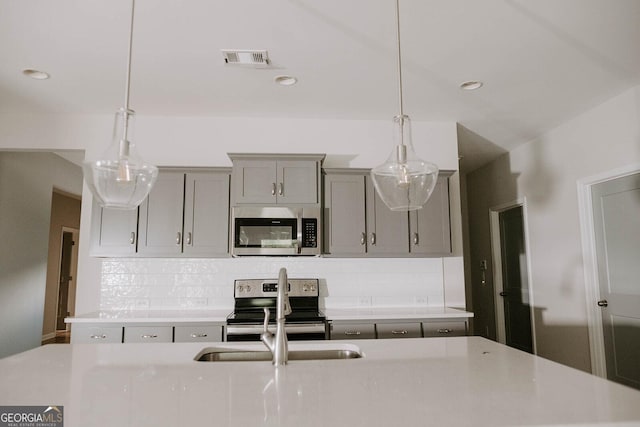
point(295, 331)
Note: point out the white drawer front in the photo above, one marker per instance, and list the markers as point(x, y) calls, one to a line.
point(353, 331)
point(197, 333)
point(450, 328)
point(399, 330)
point(148, 334)
point(85, 334)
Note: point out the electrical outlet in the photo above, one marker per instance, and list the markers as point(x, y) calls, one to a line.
point(364, 301)
point(483, 265)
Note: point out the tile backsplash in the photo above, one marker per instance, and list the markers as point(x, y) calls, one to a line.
point(180, 283)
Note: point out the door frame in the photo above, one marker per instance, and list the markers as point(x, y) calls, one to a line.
point(74, 269)
point(590, 263)
point(496, 251)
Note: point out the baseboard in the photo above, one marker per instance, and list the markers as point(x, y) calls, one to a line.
point(49, 336)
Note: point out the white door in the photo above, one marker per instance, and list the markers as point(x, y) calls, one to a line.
point(616, 218)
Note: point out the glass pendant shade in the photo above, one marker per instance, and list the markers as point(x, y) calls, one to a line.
point(120, 179)
point(404, 182)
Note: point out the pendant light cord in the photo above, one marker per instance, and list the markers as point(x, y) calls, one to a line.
point(124, 149)
point(399, 59)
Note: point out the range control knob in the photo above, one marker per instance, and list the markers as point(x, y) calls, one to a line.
point(248, 288)
point(240, 288)
point(305, 288)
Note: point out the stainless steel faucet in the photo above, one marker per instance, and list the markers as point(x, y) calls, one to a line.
point(278, 344)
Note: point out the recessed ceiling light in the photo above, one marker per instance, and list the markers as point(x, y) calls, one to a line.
point(471, 85)
point(285, 80)
point(35, 74)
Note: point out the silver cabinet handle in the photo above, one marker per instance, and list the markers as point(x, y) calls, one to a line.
point(403, 332)
point(98, 337)
point(373, 238)
point(178, 238)
point(273, 188)
point(416, 239)
point(132, 238)
point(352, 332)
point(603, 303)
point(280, 189)
point(363, 238)
point(151, 336)
point(194, 335)
point(444, 331)
point(188, 238)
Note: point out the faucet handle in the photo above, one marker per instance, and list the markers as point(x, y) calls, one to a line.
point(265, 326)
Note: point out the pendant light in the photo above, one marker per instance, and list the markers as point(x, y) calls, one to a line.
point(404, 182)
point(121, 179)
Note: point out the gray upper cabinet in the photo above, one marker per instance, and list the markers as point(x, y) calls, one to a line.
point(206, 213)
point(358, 223)
point(344, 214)
point(114, 232)
point(186, 214)
point(161, 216)
point(271, 179)
point(430, 227)
point(387, 231)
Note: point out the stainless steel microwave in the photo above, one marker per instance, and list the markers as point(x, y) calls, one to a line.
point(275, 231)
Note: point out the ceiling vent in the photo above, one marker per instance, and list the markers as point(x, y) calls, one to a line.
point(253, 58)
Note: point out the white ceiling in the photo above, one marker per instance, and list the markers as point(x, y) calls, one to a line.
point(542, 61)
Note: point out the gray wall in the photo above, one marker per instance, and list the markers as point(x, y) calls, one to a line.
point(545, 173)
point(26, 185)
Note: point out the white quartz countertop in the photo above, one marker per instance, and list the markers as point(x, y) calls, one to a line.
point(152, 316)
point(458, 381)
point(220, 315)
point(385, 313)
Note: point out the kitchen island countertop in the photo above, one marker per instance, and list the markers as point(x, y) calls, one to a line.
point(458, 381)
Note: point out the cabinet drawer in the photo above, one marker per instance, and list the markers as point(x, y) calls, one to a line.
point(353, 331)
point(84, 334)
point(147, 334)
point(445, 329)
point(399, 330)
point(197, 333)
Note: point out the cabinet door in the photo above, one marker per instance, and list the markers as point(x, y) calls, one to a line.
point(387, 231)
point(399, 330)
point(254, 181)
point(148, 334)
point(113, 231)
point(430, 226)
point(161, 216)
point(445, 328)
point(353, 331)
point(206, 214)
point(297, 182)
point(95, 334)
point(344, 214)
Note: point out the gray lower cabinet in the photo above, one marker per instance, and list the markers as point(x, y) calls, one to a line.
point(358, 223)
point(197, 333)
point(95, 334)
point(399, 330)
point(352, 331)
point(148, 334)
point(445, 328)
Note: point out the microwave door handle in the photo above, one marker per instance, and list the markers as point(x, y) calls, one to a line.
point(299, 231)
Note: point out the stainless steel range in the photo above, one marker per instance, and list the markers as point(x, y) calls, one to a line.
point(252, 296)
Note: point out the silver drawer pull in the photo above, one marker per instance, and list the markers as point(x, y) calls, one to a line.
point(352, 332)
point(444, 331)
point(416, 239)
point(98, 337)
point(273, 188)
point(280, 189)
point(189, 236)
point(363, 238)
point(403, 332)
point(148, 336)
point(178, 238)
point(132, 238)
point(373, 238)
point(198, 335)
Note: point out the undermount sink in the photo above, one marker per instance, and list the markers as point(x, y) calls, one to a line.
point(236, 355)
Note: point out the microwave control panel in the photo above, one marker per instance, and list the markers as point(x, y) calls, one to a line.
point(309, 232)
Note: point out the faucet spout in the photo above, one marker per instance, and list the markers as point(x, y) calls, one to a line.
point(278, 343)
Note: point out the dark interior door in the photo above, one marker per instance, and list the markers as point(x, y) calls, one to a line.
point(65, 278)
point(515, 292)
